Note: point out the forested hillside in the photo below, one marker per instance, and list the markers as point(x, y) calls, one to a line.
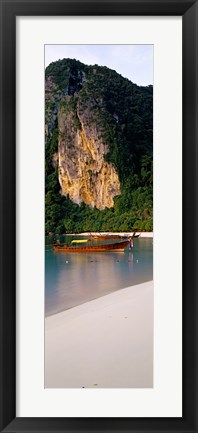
point(98, 150)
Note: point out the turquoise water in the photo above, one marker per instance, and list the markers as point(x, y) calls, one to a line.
point(74, 278)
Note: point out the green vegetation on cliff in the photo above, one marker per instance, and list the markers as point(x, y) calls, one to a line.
point(122, 114)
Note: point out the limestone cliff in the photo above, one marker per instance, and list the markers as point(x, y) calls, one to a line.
point(98, 149)
point(84, 174)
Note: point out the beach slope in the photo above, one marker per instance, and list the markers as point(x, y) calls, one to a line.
point(104, 343)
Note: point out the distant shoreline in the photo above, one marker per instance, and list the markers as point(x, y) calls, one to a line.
point(140, 234)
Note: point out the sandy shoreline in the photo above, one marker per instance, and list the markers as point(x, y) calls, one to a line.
point(140, 234)
point(104, 343)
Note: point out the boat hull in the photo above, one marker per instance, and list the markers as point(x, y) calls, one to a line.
point(116, 247)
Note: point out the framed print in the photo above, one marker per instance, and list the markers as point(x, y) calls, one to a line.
point(98, 327)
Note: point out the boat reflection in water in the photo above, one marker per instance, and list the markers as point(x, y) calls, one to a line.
point(72, 279)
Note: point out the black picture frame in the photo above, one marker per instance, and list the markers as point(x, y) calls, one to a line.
point(188, 9)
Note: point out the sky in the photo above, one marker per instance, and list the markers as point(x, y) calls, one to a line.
point(134, 62)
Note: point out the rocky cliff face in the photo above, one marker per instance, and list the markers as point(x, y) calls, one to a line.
point(83, 173)
point(98, 149)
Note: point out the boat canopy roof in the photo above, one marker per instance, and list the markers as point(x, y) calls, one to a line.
point(78, 241)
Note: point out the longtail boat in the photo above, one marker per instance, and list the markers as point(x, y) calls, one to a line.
point(76, 248)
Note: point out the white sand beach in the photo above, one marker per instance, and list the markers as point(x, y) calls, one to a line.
point(145, 234)
point(104, 343)
point(140, 234)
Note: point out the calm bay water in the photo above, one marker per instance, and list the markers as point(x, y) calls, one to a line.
point(74, 278)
